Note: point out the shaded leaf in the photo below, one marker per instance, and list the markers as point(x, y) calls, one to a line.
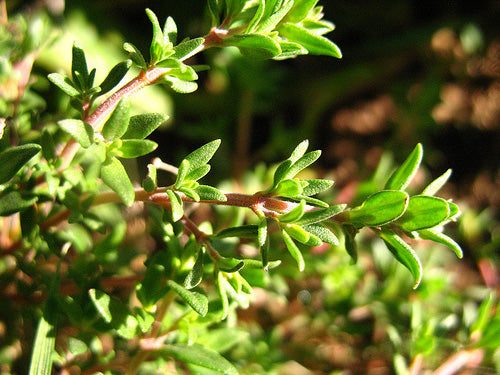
point(180, 86)
point(274, 13)
point(200, 356)
point(115, 177)
point(140, 126)
point(402, 176)
point(198, 302)
point(181, 173)
point(403, 253)
point(221, 292)
point(303, 163)
point(176, 205)
point(79, 65)
point(433, 235)
point(349, 243)
point(14, 158)
point(294, 251)
point(423, 212)
point(117, 123)
point(64, 83)
point(244, 231)
point(150, 181)
point(280, 173)
point(259, 12)
point(170, 31)
point(135, 55)
point(195, 275)
point(114, 76)
point(82, 132)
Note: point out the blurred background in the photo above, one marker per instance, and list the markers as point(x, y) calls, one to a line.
point(412, 71)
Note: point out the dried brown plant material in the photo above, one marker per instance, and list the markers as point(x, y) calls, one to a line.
point(455, 105)
point(486, 107)
point(366, 118)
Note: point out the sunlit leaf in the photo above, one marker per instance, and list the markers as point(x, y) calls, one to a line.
point(379, 209)
point(201, 357)
point(195, 275)
point(323, 233)
point(314, 44)
point(114, 175)
point(64, 83)
point(198, 302)
point(294, 214)
point(423, 212)
point(402, 176)
point(114, 76)
point(318, 215)
point(140, 126)
point(176, 205)
point(256, 46)
point(433, 235)
point(82, 132)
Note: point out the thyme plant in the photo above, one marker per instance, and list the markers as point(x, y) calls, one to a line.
point(64, 194)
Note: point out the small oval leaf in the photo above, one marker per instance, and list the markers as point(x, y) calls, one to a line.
point(402, 176)
point(14, 158)
point(114, 175)
point(197, 301)
point(118, 122)
point(82, 132)
point(424, 211)
point(294, 251)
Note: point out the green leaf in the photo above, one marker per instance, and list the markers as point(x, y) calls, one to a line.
point(196, 174)
point(316, 216)
point(190, 193)
point(195, 275)
point(257, 46)
point(294, 251)
point(403, 253)
point(156, 50)
point(433, 235)
point(140, 126)
point(401, 177)
point(379, 209)
point(288, 188)
point(43, 348)
point(115, 177)
point(150, 181)
point(259, 12)
point(243, 231)
point(316, 186)
point(300, 10)
point(180, 86)
point(169, 31)
point(318, 27)
point(454, 211)
point(289, 50)
point(184, 49)
point(423, 212)
point(209, 193)
point(314, 44)
point(127, 324)
point(133, 148)
point(349, 243)
point(135, 55)
point(297, 232)
point(114, 76)
point(64, 83)
point(176, 205)
point(82, 132)
point(202, 155)
point(201, 357)
point(102, 303)
point(299, 151)
point(79, 66)
point(274, 13)
point(323, 233)
point(303, 163)
point(182, 173)
point(437, 184)
point(14, 158)
point(230, 265)
point(198, 302)
point(280, 173)
point(117, 123)
point(221, 292)
point(311, 201)
point(294, 214)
